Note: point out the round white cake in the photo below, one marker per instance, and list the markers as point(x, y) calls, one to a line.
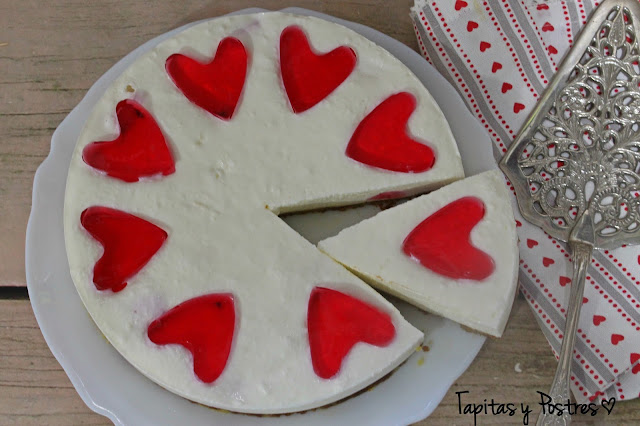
point(173, 192)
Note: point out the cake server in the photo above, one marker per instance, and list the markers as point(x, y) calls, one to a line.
point(575, 165)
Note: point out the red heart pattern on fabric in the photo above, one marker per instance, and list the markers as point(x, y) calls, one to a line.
point(471, 25)
point(531, 243)
point(584, 300)
point(215, 86)
point(336, 322)
point(547, 261)
point(129, 243)
point(517, 107)
point(506, 87)
point(310, 77)
point(442, 242)
point(616, 338)
point(634, 357)
point(381, 139)
point(619, 272)
point(598, 319)
point(460, 4)
point(564, 280)
point(518, 223)
point(484, 46)
point(205, 326)
point(140, 150)
point(496, 67)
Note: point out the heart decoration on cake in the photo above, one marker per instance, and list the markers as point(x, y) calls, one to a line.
point(215, 86)
point(442, 242)
point(336, 322)
point(139, 151)
point(129, 242)
point(309, 77)
point(204, 326)
point(381, 138)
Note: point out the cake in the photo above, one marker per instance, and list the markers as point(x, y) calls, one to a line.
point(452, 252)
point(172, 197)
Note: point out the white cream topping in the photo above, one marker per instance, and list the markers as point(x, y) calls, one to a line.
point(373, 249)
point(218, 209)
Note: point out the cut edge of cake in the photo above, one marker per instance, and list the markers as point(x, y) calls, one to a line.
point(491, 319)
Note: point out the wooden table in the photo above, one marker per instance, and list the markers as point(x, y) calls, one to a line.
point(50, 54)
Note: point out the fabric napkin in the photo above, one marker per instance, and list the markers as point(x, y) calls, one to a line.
point(500, 55)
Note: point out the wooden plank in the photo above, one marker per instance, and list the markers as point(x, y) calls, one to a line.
point(35, 391)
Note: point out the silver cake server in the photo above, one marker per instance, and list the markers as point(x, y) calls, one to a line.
point(575, 165)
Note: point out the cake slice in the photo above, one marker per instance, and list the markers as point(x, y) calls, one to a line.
point(452, 252)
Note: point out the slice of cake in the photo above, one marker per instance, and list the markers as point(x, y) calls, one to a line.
point(452, 252)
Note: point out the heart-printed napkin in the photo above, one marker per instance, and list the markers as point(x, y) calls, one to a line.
point(500, 55)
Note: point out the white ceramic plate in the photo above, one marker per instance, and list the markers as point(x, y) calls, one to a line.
point(109, 385)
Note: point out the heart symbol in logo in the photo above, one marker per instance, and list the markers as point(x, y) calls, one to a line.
point(204, 326)
point(336, 322)
point(547, 261)
point(564, 280)
point(309, 77)
point(605, 404)
point(506, 87)
point(496, 67)
point(598, 319)
point(129, 243)
point(139, 151)
point(471, 25)
point(215, 86)
point(460, 4)
point(484, 46)
point(442, 242)
point(542, 6)
point(634, 357)
point(381, 139)
point(547, 27)
point(552, 50)
point(531, 243)
point(616, 338)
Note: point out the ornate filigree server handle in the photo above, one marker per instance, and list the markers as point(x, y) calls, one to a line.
point(575, 166)
point(581, 250)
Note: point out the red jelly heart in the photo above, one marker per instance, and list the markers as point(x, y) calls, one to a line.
point(381, 139)
point(336, 322)
point(215, 86)
point(139, 151)
point(310, 77)
point(128, 241)
point(204, 326)
point(442, 242)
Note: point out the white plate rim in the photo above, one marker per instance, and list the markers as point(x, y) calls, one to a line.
point(45, 269)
